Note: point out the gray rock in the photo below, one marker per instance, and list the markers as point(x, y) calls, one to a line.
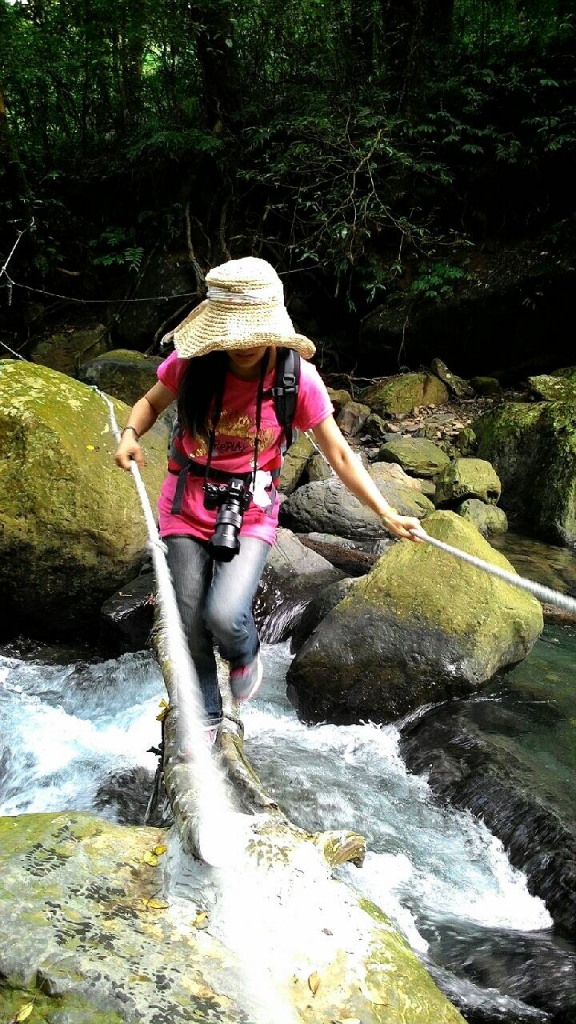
point(293, 575)
point(328, 507)
point(488, 519)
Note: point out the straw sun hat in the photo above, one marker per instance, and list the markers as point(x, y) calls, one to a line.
point(244, 309)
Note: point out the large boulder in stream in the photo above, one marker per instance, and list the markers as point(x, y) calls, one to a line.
point(71, 527)
point(105, 924)
point(533, 448)
point(421, 627)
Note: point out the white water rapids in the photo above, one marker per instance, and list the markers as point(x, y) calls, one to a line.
point(67, 731)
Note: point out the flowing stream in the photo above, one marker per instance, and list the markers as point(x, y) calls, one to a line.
point(75, 733)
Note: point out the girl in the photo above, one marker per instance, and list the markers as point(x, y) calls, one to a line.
point(218, 508)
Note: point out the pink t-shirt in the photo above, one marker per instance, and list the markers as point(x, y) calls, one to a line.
point(234, 448)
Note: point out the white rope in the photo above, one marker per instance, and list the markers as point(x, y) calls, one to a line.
point(545, 594)
point(214, 809)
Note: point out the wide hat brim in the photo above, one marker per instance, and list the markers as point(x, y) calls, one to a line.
point(216, 326)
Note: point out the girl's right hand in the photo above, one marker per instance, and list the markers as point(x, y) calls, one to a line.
point(129, 449)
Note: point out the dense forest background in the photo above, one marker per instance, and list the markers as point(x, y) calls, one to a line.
point(392, 159)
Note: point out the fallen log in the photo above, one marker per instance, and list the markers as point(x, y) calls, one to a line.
point(341, 959)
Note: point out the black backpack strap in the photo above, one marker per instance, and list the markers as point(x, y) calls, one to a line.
point(285, 390)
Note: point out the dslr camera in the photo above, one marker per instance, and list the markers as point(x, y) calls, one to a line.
point(231, 499)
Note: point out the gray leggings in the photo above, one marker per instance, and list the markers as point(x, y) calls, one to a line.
point(215, 604)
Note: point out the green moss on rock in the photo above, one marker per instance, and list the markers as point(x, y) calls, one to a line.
point(533, 449)
point(73, 530)
point(402, 394)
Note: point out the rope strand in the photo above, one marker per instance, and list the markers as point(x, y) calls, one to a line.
point(544, 594)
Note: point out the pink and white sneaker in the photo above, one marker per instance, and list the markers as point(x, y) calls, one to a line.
point(245, 681)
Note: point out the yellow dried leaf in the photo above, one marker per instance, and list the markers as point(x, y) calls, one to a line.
point(201, 919)
point(314, 982)
point(165, 709)
point(156, 905)
point(90, 447)
point(24, 1012)
point(159, 850)
point(150, 858)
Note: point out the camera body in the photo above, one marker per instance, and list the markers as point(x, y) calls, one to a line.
point(231, 499)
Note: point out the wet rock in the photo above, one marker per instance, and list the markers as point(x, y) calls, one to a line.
point(402, 394)
point(533, 449)
point(317, 610)
point(126, 795)
point(126, 618)
point(457, 387)
point(466, 760)
point(488, 519)
point(122, 373)
point(292, 577)
point(72, 531)
point(467, 478)
point(328, 507)
point(417, 456)
point(420, 627)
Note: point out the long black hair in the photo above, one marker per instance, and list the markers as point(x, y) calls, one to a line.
point(201, 384)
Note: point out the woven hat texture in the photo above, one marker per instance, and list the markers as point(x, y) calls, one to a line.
point(244, 309)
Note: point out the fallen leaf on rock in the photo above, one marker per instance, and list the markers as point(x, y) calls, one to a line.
point(23, 1013)
point(314, 982)
point(150, 858)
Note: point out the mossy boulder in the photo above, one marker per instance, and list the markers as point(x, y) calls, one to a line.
point(295, 462)
point(66, 351)
point(467, 478)
point(93, 933)
point(122, 373)
point(72, 529)
point(402, 394)
point(421, 627)
point(487, 387)
point(533, 448)
point(553, 388)
point(417, 456)
point(339, 397)
point(488, 519)
point(456, 385)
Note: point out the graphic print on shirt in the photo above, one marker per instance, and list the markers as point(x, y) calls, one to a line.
point(236, 435)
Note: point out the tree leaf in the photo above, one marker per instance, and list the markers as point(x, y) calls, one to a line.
point(314, 982)
point(150, 858)
point(24, 1012)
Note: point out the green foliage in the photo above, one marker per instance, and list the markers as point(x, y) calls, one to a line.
point(349, 141)
point(437, 280)
point(119, 249)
